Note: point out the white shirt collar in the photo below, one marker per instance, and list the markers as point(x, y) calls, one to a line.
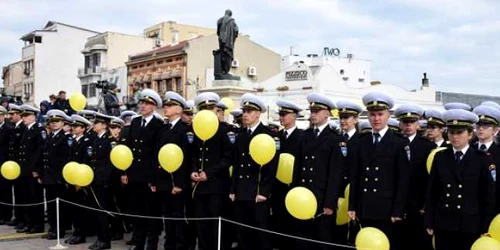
point(351, 132)
point(77, 138)
point(18, 123)
point(464, 150)
point(382, 132)
point(31, 125)
point(148, 119)
point(321, 128)
point(103, 133)
point(174, 122)
point(254, 127)
point(1, 125)
point(439, 143)
point(488, 145)
point(411, 137)
point(290, 131)
point(53, 134)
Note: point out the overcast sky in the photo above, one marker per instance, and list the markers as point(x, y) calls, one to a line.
point(455, 41)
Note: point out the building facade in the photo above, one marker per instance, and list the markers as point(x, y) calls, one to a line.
point(51, 57)
point(171, 32)
point(12, 76)
point(104, 58)
point(187, 66)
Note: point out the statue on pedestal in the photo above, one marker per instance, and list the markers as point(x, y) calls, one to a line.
point(227, 30)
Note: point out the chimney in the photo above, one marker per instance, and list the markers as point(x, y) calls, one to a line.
point(425, 81)
point(175, 37)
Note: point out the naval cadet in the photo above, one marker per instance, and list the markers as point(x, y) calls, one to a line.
point(289, 138)
point(79, 153)
point(319, 166)
point(67, 124)
point(210, 173)
point(5, 185)
point(237, 119)
point(101, 185)
point(412, 226)
point(252, 183)
point(394, 126)
point(188, 113)
point(56, 153)
point(221, 108)
point(457, 105)
point(486, 129)
point(90, 116)
point(379, 184)
point(30, 152)
point(365, 128)
point(14, 114)
point(460, 198)
point(436, 128)
point(143, 140)
point(127, 116)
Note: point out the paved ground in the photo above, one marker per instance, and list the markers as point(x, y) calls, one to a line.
point(10, 240)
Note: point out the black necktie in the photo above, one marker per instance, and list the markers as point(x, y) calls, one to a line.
point(316, 133)
point(249, 132)
point(286, 134)
point(482, 147)
point(169, 126)
point(143, 123)
point(346, 136)
point(458, 156)
point(376, 138)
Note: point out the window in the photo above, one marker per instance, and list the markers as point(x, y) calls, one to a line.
point(148, 65)
point(38, 39)
point(162, 86)
point(97, 60)
point(116, 80)
point(159, 62)
point(85, 88)
point(178, 58)
point(169, 85)
point(92, 90)
point(135, 67)
point(169, 60)
point(178, 85)
point(87, 63)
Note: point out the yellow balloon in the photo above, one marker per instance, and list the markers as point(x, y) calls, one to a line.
point(285, 168)
point(229, 103)
point(372, 238)
point(205, 124)
point(77, 101)
point(69, 172)
point(430, 158)
point(301, 203)
point(486, 243)
point(494, 229)
point(342, 217)
point(434, 242)
point(170, 157)
point(231, 171)
point(10, 170)
point(262, 149)
point(84, 175)
point(121, 156)
point(347, 191)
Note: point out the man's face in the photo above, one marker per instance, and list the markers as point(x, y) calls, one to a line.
point(56, 125)
point(348, 122)
point(67, 128)
point(77, 130)
point(115, 131)
point(459, 138)
point(287, 119)
point(319, 116)
point(146, 108)
point(250, 116)
point(98, 127)
point(486, 132)
point(62, 96)
point(15, 117)
point(220, 114)
point(28, 119)
point(187, 118)
point(378, 119)
point(409, 127)
point(434, 132)
point(171, 110)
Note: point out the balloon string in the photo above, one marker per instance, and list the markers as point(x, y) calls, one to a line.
point(201, 169)
point(258, 182)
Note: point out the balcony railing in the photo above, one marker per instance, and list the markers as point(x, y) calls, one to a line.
point(89, 71)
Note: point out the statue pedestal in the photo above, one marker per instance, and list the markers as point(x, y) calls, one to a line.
point(218, 74)
point(233, 89)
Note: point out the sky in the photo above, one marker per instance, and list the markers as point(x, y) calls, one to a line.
point(455, 41)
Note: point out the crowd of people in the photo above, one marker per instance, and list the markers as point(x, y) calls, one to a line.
point(382, 160)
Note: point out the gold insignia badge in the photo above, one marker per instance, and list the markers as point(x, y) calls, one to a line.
point(482, 117)
point(455, 122)
point(375, 103)
point(430, 119)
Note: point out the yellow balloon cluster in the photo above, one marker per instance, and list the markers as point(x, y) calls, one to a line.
point(69, 172)
point(10, 170)
point(342, 217)
point(372, 238)
point(285, 168)
point(430, 158)
point(229, 103)
point(205, 124)
point(486, 243)
point(77, 101)
point(170, 157)
point(262, 149)
point(301, 203)
point(121, 157)
point(494, 229)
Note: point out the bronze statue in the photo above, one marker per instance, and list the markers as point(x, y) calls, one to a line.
point(227, 30)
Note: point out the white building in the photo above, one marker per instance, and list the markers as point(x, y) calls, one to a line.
point(345, 78)
point(104, 57)
point(51, 57)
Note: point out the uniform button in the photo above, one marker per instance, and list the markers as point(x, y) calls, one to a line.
point(367, 169)
point(312, 157)
point(139, 150)
point(241, 165)
point(374, 190)
point(303, 180)
point(376, 169)
point(133, 149)
point(460, 196)
point(447, 195)
point(447, 206)
point(141, 141)
point(458, 206)
point(200, 159)
point(248, 176)
point(460, 186)
point(241, 176)
point(201, 149)
point(448, 186)
point(366, 179)
point(249, 164)
point(376, 179)
point(206, 149)
point(242, 154)
point(364, 190)
point(135, 140)
point(311, 169)
point(310, 181)
point(206, 159)
point(303, 169)
point(138, 160)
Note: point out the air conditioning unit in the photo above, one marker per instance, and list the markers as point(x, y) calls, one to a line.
point(252, 71)
point(158, 42)
point(235, 63)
